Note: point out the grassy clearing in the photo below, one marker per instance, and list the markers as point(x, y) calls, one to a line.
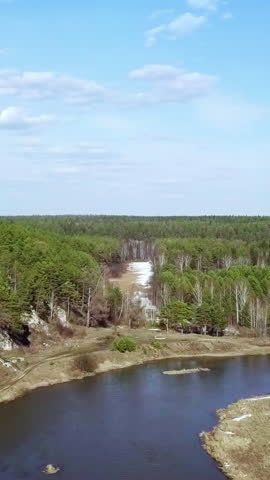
point(240, 441)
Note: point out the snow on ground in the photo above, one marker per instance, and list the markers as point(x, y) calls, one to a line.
point(5, 342)
point(136, 280)
point(259, 398)
point(143, 272)
point(238, 419)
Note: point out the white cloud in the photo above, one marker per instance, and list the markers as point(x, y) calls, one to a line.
point(203, 4)
point(48, 84)
point(185, 24)
point(179, 26)
point(12, 118)
point(177, 85)
point(155, 72)
point(171, 84)
point(152, 34)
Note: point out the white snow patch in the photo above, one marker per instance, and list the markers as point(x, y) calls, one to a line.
point(229, 433)
point(238, 419)
point(6, 342)
point(7, 364)
point(143, 272)
point(255, 399)
point(144, 301)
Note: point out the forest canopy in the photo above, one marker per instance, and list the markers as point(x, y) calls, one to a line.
point(218, 268)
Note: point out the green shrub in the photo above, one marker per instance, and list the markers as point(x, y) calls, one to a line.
point(124, 344)
point(156, 344)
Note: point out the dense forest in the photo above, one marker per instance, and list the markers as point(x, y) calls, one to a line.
point(42, 270)
point(141, 228)
point(207, 270)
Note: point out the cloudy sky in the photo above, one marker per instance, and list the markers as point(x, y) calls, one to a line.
point(157, 107)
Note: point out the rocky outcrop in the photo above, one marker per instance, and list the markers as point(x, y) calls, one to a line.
point(6, 343)
point(61, 316)
point(11, 338)
point(34, 322)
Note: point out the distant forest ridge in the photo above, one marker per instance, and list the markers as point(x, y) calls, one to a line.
point(254, 228)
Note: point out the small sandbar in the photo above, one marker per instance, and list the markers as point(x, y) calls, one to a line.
point(186, 371)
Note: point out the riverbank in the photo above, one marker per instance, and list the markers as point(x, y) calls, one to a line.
point(55, 364)
point(240, 441)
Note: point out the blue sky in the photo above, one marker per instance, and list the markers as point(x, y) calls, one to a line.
point(149, 107)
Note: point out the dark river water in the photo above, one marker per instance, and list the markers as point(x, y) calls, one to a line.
point(134, 424)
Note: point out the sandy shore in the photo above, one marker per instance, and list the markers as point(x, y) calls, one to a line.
point(240, 442)
point(55, 364)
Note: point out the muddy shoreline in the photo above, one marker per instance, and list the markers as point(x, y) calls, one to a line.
point(240, 440)
point(55, 369)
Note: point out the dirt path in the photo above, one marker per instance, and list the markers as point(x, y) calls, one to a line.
point(52, 358)
point(55, 364)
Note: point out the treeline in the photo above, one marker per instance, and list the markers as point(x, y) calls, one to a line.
point(249, 229)
point(213, 270)
point(41, 270)
point(239, 296)
point(214, 282)
point(207, 254)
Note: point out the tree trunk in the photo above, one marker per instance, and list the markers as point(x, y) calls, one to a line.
point(82, 303)
point(68, 308)
point(52, 306)
point(88, 308)
point(237, 305)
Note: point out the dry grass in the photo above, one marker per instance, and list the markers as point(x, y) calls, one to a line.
point(85, 363)
point(6, 375)
point(240, 442)
point(54, 362)
point(64, 331)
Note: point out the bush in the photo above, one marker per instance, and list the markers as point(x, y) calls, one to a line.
point(64, 331)
point(124, 344)
point(85, 363)
point(156, 344)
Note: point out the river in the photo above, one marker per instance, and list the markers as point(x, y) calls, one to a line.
point(127, 425)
